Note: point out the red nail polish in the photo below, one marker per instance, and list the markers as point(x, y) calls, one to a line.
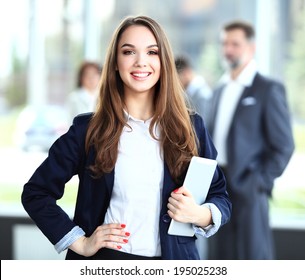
point(127, 233)
point(123, 225)
point(176, 190)
point(125, 240)
point(119, 247)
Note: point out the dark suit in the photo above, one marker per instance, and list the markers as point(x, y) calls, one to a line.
point(67, 157)
point(259, 146)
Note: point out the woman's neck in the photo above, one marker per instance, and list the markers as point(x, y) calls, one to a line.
point(140, 107)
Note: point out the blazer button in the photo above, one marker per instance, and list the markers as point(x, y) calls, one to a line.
point(166, 218)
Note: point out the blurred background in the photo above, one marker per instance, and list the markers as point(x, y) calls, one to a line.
point(44, 42)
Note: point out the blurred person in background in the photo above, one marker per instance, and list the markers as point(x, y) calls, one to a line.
point(131, 157)
point(198, 91)
point(252, 132)
point(83, 98)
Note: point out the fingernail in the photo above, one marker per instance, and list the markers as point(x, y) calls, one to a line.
point(176, 190)
point(119, 247)
point(127, 233)
point(125, 240)
point(123, 225)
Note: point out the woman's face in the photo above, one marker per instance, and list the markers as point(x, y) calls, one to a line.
point(138, 60)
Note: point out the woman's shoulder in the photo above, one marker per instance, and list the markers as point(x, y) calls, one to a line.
point(75, 137)
point(197, 120)
point(82, 119)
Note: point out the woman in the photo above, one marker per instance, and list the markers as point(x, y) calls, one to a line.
point(83, 99)
point(131, 157)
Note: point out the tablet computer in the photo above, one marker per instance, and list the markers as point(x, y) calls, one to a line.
point(198, 181)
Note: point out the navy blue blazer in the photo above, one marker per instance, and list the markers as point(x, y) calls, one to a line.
point(67, 158)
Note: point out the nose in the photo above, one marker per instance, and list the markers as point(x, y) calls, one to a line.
point(228, 49)
point(140, 64)
point(140, 61)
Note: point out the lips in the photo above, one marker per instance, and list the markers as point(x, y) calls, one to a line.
point(140, 75)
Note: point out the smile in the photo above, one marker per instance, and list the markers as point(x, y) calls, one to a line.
point(140, 74)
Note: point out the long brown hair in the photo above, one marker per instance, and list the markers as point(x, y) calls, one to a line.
point(178, 139)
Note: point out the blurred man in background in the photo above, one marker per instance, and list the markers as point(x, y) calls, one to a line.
point(251, 129)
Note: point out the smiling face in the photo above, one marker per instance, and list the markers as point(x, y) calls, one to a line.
point(138, 60)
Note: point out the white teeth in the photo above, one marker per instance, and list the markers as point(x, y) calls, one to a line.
point(140, 75)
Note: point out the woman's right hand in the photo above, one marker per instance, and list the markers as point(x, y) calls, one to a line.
point(108, 236)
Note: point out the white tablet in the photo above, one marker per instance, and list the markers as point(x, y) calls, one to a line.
point(198, 181)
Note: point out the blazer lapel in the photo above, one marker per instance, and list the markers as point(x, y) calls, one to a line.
point(247, 95)
point(248, 91)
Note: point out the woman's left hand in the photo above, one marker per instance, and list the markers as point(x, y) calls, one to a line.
point(183, 208)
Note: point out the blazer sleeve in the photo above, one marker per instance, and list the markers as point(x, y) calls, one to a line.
point(218, 191)
point(47, 184)
point(279, 136)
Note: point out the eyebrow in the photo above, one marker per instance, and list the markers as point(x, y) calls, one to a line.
point(133, 46)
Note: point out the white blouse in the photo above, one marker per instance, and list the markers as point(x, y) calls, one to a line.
point(136, 195)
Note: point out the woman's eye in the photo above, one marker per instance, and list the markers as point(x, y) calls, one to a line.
point(153, 52)
point(128, 52)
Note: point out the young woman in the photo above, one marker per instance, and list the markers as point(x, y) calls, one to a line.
point(131, 157)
